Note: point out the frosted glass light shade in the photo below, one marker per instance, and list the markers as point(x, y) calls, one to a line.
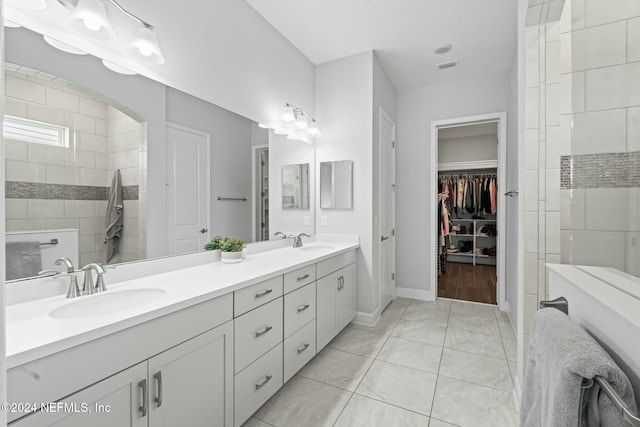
point(90, 18)
point(118, 68)
point(287, 114)
point(11, 24)
point(63, 46)
point(144, 46)
point(302, 122)
point(313, 129)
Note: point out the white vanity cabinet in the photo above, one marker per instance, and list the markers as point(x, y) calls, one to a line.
point(116, 401)
point(336, 297)
point(189, 384)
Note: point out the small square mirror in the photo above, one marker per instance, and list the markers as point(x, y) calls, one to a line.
point(336, 185)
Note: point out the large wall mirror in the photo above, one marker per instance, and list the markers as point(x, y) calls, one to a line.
point(188, 169)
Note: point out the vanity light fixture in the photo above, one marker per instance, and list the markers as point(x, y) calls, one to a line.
point(91, 18)
point(11, 24)
point(297, 124)
point(117, 68)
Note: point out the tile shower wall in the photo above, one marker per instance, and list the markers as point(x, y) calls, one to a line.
point(600, 66)
point(54, 187)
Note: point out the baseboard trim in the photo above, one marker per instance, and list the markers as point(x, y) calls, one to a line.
point(367, 319)
point(517, 393)
point(414, 293)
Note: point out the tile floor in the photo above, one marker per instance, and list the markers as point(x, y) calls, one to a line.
point(427, 364)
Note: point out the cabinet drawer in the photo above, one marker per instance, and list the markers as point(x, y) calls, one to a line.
point(335, 263)
point(299, 308)
point(256, 384)
point(257, 332)
point(296, 279)
point(256, 295)
point(299, 348)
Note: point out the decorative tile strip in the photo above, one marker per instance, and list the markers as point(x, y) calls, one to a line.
point(604, 170)
point(38, 190)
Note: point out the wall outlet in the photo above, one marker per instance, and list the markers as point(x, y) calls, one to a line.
point(323, 220)
point(305, 220)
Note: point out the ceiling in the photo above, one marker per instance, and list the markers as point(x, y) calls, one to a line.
point(403, 33)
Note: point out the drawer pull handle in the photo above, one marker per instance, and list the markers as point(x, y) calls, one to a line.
point(263, 331)
point(303, 308)
point(306, 276)
point(303, 348)
point(158, 377)
point(143, 409)
point(263, 383)
point(261, 294)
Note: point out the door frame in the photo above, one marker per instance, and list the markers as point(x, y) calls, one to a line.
point(501, 118)
point(167, 184)
point(254, 189)
point(384, 116)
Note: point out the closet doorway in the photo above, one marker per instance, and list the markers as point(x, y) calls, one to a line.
point(468, 209)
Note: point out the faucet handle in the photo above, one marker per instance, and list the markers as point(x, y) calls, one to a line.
point(280, 234)
point(100, 271)
point(67, 262)
point(304, 234)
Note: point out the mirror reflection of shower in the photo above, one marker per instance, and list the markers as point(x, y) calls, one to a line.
point(63, 144)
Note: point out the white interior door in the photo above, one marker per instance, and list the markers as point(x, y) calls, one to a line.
point(187, 190)
point(387, 220)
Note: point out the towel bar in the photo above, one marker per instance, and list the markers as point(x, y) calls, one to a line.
point(237, 199)
point(51, 242)
point(562, 304)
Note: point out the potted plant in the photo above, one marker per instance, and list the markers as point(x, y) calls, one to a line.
point(231, 250)
point(214, 245)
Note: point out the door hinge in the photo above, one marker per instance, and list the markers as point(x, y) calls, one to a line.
point(393, 144)
point(393, 231)
point(393, 276)
point(262, 162)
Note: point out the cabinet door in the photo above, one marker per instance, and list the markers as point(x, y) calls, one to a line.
point(326, 319)
point(192, 383)
point(346, 297)
point(115, 401)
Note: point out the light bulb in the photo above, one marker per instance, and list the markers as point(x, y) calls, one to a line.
point(144, 46)
point(92, 25)
point(302, 122)
point(313, 129)
point(146, 50)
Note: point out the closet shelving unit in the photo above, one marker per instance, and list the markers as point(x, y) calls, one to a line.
point(479, 241)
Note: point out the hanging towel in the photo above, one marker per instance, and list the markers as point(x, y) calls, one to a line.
point(23, 259)
point(114, 219)
point(561, 354)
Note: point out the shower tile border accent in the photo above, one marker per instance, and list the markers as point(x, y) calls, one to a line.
point(43, 191)
point(602, 170)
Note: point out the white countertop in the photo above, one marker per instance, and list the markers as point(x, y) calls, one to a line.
point(32, 334)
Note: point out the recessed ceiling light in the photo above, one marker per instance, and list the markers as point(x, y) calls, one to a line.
point(443, 49)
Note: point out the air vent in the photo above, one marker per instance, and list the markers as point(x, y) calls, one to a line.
point(448, 64)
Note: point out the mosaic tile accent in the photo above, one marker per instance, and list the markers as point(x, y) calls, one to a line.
point(38, 190)
point(604, 170)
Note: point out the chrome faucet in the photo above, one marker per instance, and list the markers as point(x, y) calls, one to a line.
point(297, 240)
point(74, 290)
point(280, 234)
point(89, 287)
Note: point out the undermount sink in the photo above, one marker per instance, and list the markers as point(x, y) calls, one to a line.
point(316, 248)
point(106, 303)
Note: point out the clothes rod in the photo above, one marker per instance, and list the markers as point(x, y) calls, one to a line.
point(563, 305)
point(236, 199)
point(51, 242)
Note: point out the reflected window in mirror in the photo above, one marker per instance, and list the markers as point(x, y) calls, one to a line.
point(295, 186)
point(336, 185)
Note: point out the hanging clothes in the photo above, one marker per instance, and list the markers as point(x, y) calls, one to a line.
point(475, 194)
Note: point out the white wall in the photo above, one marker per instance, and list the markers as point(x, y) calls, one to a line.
point(344, 104)
point(417, 108)
point(230, 159)
point(482, 147)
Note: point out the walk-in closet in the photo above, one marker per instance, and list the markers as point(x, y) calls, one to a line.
point(467, 245)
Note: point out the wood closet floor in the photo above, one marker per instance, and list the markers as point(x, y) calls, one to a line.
point(469, 283)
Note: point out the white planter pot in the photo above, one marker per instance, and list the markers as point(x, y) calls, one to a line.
point(231, 257)
point(215, 254)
